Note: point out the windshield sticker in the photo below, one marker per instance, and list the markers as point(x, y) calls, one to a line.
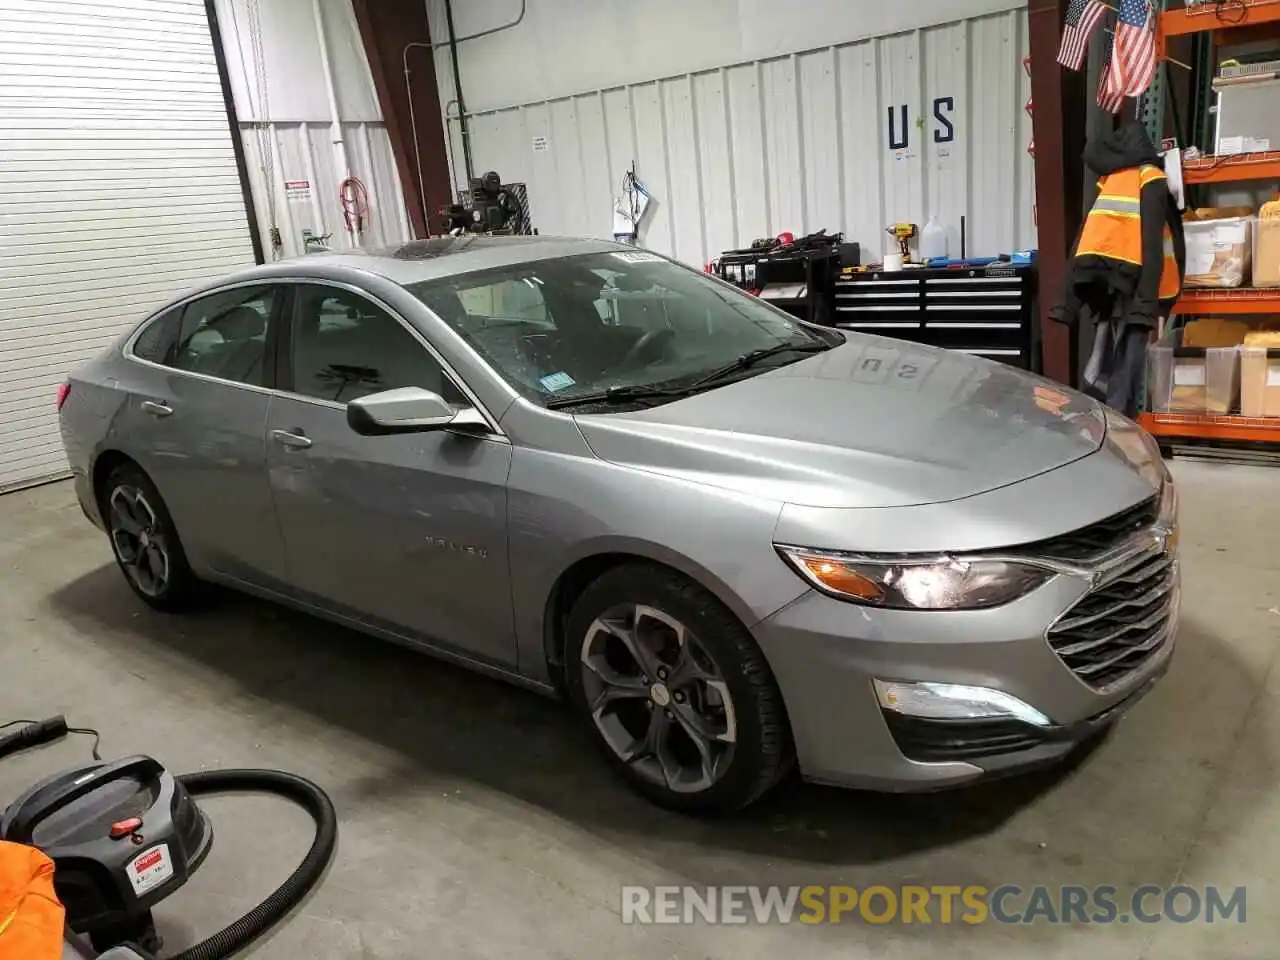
point(556, 381)
point(639, 257)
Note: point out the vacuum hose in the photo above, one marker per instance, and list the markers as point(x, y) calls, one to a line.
point(228, 941)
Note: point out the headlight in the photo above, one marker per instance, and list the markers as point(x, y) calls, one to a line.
point(1137, 448)
point(911, 583)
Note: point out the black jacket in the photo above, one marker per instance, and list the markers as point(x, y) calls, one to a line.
point(1097, 281)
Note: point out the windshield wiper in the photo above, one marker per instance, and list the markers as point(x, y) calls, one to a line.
point(755, 356)
point(618, 395)
point(638, 392)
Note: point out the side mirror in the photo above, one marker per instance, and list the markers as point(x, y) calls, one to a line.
point(409, 410)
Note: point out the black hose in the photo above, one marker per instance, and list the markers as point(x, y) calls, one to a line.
point(228, 941)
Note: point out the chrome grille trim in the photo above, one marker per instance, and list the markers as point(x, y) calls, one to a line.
point(1155, 593)
point(1122, 626)
point(1157, 638)
point(1144, 624)
point(1124, 570)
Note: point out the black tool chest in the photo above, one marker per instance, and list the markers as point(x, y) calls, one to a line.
point(797, 281)
point(988, 311)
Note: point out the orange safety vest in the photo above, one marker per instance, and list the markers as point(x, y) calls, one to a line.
point(1114, 226)
point(31, 918)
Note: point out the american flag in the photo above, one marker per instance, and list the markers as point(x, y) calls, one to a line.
point(1133, 65)
point(1110, 96)
point(1082, 19)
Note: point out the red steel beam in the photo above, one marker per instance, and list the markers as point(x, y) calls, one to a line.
point(1058, 123)
point(386, 26)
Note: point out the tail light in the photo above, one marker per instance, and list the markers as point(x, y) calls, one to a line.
point(64, 391)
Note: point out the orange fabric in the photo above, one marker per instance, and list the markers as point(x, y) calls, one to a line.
point(1117, 233)
point(31, 916)
point(1148, 173)
point(1170, 282)
point(1117, 237)
point(1114, 226)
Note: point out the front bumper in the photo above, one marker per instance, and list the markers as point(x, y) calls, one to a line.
point(825, 654)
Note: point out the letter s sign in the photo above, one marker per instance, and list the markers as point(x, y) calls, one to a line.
point(945, 131)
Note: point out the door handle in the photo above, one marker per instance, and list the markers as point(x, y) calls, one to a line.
point(294, 441)
point(157, 409)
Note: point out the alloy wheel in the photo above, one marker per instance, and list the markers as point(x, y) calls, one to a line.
point(139, 541)
point(658, 698)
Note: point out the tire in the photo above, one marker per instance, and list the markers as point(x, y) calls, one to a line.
point(145, 541)
point(731, 706)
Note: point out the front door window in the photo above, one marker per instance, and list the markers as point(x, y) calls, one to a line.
point(345, 347)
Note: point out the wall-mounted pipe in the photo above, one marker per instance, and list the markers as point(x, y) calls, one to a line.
point(335, 118)
point(452, 44)
point(457, 90)
point(448, 142)
point(490, 31)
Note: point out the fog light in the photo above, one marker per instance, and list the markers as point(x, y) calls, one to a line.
point(951, 701)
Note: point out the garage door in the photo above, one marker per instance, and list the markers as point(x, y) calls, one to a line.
point(120, 189)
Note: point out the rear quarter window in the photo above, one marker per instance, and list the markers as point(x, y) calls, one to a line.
point(154, 341)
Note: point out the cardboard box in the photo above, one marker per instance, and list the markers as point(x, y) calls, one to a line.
point(1260, 381)
point(1266, 246)
point(1218, 252)
point(1217, 213)
point(1264, 338)
point(1214, 332)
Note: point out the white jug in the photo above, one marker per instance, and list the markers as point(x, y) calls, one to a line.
point(933, 240)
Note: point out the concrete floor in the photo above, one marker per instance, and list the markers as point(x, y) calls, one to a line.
point(477, 823)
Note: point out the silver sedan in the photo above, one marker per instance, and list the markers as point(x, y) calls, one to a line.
point(736, 543)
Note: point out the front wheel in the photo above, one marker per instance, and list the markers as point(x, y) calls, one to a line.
point(145, 541)
point(675, 691)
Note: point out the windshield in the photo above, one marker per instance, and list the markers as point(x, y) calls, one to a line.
point(578, 326)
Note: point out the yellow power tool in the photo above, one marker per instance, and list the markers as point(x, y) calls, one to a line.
point(902, 232)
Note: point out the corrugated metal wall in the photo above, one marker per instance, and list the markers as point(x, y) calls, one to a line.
point(848, 138)
point(304, 152)
point(280, 93)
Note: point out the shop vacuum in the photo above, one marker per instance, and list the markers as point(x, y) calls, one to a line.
point(123, 835)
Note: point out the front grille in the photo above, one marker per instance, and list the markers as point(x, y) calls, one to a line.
point(1121, 624)
point(1099, 537)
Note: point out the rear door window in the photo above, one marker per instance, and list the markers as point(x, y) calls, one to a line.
point(224, 335)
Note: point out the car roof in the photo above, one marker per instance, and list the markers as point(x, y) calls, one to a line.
point(434, 258)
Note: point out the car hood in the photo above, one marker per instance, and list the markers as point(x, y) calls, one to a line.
point(871, 423)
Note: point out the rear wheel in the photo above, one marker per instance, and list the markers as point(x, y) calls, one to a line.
point(675, 691)
point(145, 541)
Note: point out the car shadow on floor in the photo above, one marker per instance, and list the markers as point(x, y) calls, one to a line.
point(454, 727)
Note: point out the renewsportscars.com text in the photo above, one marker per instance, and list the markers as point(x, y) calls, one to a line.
point(939, 904)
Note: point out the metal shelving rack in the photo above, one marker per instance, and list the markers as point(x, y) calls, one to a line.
point(1237, 22)
point(1232, 169)
point(1228, 302)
